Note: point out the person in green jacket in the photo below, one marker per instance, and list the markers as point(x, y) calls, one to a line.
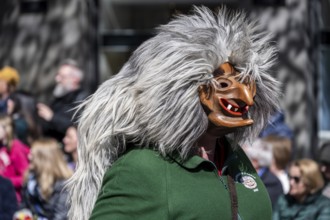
point(160, 139)
point(305, 199)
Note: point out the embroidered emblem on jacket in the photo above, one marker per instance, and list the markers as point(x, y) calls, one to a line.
point(247, 180)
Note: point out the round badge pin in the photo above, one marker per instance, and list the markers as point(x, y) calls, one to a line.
point(247, 180)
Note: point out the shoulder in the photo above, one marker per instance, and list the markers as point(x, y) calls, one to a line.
point(284, 201)
point(81, 95)
point(140, 157)
point(6, 184)
point(270, 178)
point(59, 192)
point(18, 146)
point(137, 160)
point(77, 95)
point(59, 185)
point(320, 208)
point(323, 201)
point(136, 166)
point(134, 186)
point(7, 190)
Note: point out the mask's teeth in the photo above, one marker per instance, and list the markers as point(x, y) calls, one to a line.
point(236, 109)
point(229, 107)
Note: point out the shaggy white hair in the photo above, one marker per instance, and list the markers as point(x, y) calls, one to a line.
point(153, 101)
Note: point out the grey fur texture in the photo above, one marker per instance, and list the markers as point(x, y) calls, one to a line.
point(153, 101)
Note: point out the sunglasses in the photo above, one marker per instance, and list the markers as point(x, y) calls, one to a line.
point(296, 179)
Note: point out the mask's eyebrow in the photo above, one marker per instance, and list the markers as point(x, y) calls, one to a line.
point(231, 71)
point(218, 72)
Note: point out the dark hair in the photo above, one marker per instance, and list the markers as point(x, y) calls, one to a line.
point(26, 107)
point(17, 103)
point(324, 153)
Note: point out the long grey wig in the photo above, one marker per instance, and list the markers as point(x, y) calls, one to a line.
point(153, 101)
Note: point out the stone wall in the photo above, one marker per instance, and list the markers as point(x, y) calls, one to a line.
point(36, 42)
point(294, 26)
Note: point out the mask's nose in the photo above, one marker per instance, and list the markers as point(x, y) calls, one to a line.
point(246, 93)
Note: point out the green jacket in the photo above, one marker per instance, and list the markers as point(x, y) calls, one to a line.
point(315, 207)
point(141, 184)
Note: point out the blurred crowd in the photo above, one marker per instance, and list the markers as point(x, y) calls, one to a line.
point(298, 188)
point(38, 145)
point(39, 152)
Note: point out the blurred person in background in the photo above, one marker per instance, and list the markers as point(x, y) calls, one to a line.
point(8, 201)
point(13, 155)
point(43, 192)
point(324, 160)
point(58, 116)
point(261, 155)
point(281, 151)
point(22, 108)
point(305, 199)
point(70, 142)
point(9, 79)
point(15, 111)
point(277, 126)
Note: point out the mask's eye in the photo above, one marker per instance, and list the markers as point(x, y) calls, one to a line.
point(224, 84)
point(221, 83)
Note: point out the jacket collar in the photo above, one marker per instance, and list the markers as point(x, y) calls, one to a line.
point(195, 161)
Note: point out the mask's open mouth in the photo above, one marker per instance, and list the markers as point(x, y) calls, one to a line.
point(232, 108)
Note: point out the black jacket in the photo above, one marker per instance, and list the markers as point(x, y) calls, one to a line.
point(273, 185)
point(8, 201)
point(55, 208)
point(63, 109)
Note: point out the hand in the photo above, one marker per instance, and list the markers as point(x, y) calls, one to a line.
point(45, 112)
point(10, 106)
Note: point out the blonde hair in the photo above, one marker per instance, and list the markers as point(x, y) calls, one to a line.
point(11, 76)
point(310, 174)
point(48, 164)
point(7, 123)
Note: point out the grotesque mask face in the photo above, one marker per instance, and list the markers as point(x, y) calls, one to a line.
point(227, 100)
